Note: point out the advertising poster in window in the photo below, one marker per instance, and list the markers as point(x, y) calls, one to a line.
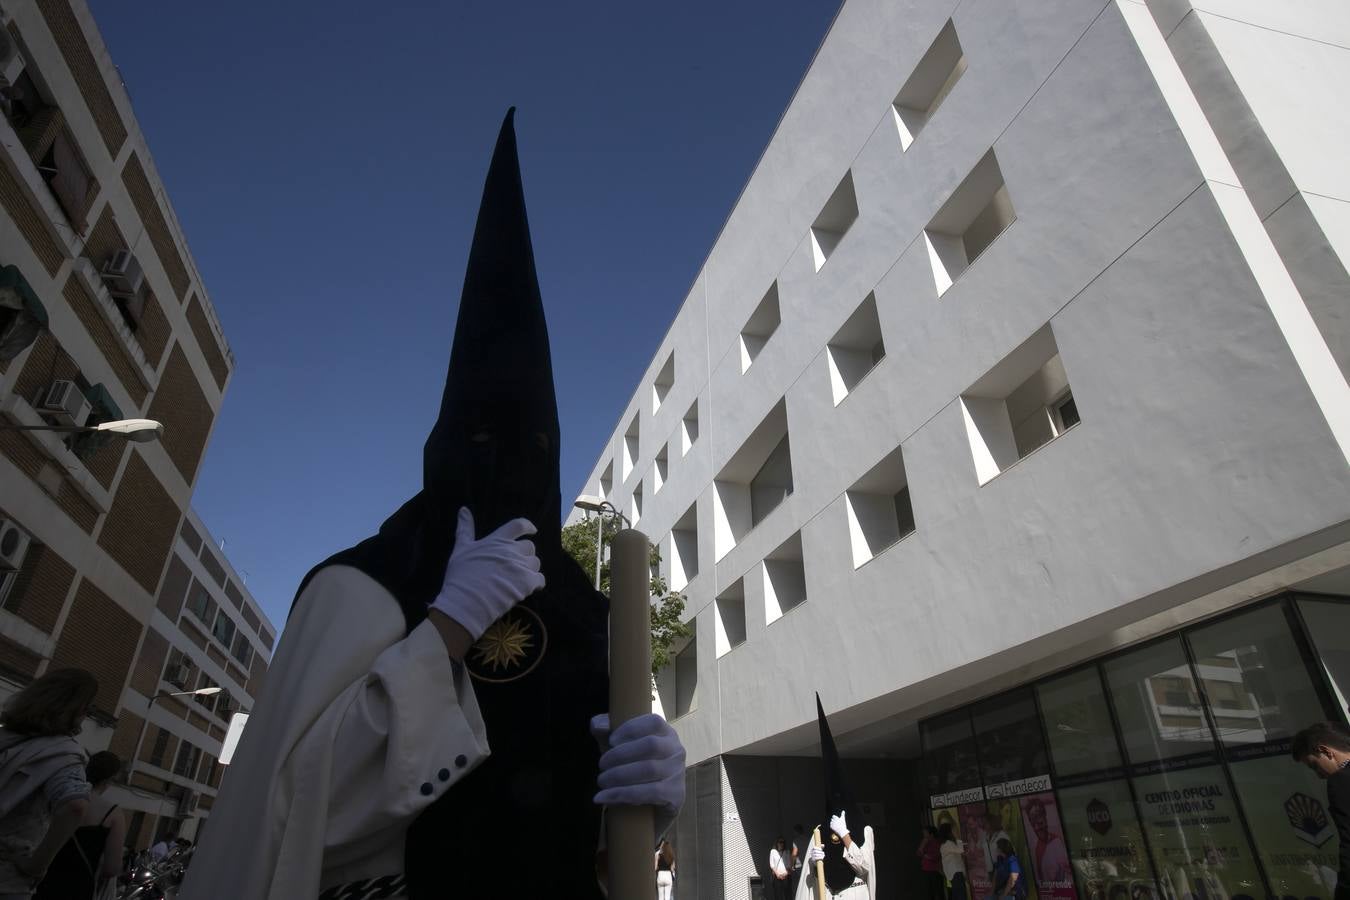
point(1106, 846)
point(1286, 811)
point(1005, 820)
point(1047, 853)
point(1197, 839)
point(979, 863)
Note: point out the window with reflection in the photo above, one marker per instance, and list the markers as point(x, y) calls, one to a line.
point(1077, 723)
point(1012, 746)
point(1186, 804)
point(1262, 692)
point(1158, 704)
point(1328, 622)
point(949, 754)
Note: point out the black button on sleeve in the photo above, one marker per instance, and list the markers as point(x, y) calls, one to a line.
point(427, 789)
point(461, 761)
point(443, 774)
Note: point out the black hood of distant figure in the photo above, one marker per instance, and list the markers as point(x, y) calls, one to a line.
point(838, 873)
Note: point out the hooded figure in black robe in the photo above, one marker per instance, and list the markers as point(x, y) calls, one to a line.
point(840, 871)
point(540, 672)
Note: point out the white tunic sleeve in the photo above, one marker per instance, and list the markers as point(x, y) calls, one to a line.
point(854, 856)
point(408, 731)
point(358, 728)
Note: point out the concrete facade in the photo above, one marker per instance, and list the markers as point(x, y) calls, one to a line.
point(970, 214)
point(105, 556)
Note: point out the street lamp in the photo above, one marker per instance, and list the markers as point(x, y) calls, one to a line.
point(136, 751)
point(602, 508)
point(138, 430)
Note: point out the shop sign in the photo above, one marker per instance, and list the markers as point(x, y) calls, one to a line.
point(1037, 784)
point(956, 798)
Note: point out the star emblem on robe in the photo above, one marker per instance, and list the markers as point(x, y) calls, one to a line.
point(503, 645)
point(510, 648)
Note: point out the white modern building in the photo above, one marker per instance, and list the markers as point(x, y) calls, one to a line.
point(1009, 413)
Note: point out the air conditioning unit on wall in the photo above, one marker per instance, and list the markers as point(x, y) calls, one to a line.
point(187, 802)
point(14, 543)
point(65, 402)
point(122, 274)
point(178, 675)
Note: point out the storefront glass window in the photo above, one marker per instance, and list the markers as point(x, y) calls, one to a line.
point(1328, 622)
point(1194, 830)
point(1101, 829)
point(952, 764)
point(1012, 747)
point(1261, 693)
point(1078, 724)
point(1106, 844)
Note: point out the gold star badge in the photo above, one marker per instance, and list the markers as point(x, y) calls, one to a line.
point(510, 648)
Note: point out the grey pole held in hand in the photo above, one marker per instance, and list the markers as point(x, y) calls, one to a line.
point(629, 829)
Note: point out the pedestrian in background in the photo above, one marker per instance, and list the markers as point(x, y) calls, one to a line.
point(930, 861)
point(43, 791)
point(1009, 882)
point(953, 861)
point(1325, 748)
point(88, 864)
point(780, 870)
point(665, 871)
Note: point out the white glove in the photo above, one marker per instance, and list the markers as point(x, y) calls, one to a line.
point(838, 825)
point(487, 577)
point(814, 854)
point(643, 765)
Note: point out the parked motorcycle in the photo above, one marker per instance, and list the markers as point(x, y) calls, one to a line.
point(152, 879)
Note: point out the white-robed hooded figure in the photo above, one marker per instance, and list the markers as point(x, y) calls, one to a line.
point(441, 686)
point(848, 846)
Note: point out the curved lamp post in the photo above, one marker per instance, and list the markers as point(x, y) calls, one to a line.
point(602, 508)
point(139, 430)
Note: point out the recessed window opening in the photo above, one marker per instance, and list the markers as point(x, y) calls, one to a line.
point(686, 675)
point(879, 509)
point(631, 446)
point(661, 468)
point(665, 380)
point(683, 553)
point(730, 618)
point(1021, 404)
point(607, 481)
point(855, 349)
point(754, 482)
point(689, 429)
point(978, 211)
point(784, 579)
point(637, 505)
point(761, 325)
point(933, 79)
point(772, 483)
point(834, 221)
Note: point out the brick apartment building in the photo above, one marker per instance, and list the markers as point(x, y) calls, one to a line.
point(103, 316)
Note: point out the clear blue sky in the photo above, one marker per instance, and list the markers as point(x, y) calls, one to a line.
point(325, 160)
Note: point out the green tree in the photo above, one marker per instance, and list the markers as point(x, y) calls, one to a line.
point(667, 606)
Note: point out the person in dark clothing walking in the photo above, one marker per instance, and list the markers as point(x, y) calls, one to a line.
point(1325, 748)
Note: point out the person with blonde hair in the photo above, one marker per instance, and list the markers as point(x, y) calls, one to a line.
point(43, 790)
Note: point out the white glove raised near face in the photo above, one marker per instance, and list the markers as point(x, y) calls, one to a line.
point(488, 576)
point(838, 825)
